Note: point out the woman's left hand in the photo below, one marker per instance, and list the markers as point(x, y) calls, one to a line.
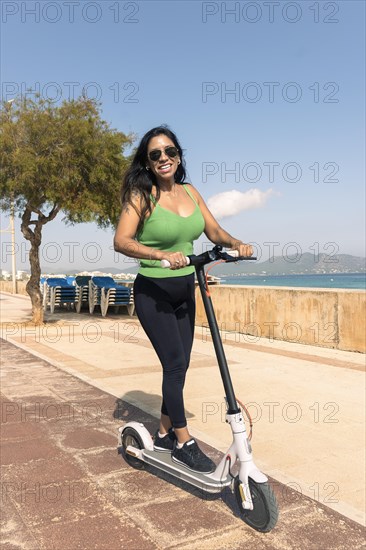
point(243, 249)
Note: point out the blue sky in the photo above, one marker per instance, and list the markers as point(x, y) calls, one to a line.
point(263, 96)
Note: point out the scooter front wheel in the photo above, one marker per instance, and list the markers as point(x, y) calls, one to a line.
point(130, 437)
point(264, 515)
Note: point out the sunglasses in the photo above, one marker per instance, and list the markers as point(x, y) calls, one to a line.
point(155, 155)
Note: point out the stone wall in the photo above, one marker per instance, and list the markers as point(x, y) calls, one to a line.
point(321, 317)
point(7, 286)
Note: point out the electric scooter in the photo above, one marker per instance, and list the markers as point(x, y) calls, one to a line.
point(256, 500)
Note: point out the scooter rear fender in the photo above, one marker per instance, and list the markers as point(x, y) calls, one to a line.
point(141, 430)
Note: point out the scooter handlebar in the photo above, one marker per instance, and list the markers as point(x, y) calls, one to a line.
point(232, 253)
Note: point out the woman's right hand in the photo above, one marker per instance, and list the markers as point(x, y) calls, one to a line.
point(177, 260)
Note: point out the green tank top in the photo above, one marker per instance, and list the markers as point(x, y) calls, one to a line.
point(165, 230)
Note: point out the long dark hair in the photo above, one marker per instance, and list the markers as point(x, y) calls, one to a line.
point(138, 180)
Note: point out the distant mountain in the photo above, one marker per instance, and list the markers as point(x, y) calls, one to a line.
point(306, 263)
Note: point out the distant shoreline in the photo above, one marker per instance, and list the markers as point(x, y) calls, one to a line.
point(312, 274)
point(355, 281)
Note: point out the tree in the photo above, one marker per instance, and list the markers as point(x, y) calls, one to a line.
point(56, 159)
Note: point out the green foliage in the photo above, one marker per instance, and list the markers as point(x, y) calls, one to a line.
point(58, 159)
point(64, 157)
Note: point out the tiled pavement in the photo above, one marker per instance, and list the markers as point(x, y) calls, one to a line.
point(64, 485)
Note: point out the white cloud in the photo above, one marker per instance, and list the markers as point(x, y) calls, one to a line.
point(232, 202)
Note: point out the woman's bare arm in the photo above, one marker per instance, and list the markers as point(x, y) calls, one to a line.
point(125, 236)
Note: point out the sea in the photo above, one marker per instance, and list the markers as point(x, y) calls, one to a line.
point(356, 281)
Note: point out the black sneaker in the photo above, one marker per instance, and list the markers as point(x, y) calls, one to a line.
point(191, 456)
point(166, 443)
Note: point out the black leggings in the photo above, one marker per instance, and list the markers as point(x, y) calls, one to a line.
point(166, 310)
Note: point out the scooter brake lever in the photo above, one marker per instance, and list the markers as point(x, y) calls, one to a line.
point(233, 256)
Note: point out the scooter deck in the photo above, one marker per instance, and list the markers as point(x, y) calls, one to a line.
point(163, 461)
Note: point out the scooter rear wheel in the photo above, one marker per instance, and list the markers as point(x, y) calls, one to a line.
point(130, 437)
point(264, 515)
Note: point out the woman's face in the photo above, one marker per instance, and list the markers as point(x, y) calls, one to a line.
point(165, 167)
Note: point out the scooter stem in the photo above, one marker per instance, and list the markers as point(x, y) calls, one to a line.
point(211, 317)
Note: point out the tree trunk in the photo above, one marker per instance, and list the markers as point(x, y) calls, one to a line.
point(32, 286)
point(35, 239)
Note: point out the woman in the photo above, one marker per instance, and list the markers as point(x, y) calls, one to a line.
point(161, 217)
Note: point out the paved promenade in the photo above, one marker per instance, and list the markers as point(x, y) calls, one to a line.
point(67, 387)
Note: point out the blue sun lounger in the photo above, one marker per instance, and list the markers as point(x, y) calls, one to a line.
point(105, 292)
point(57, 291)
